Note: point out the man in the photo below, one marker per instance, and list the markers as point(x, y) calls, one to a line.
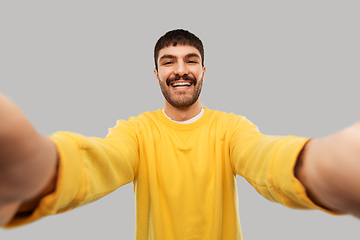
point(183, 160)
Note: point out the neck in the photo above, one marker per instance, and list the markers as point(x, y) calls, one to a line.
point(177, 114)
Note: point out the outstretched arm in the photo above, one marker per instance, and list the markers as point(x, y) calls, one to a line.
point(27, 162)
point(329, 168)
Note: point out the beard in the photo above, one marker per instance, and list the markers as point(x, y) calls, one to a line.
point(181, 100)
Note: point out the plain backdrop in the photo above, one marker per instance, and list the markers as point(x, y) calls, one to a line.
point(291, 67)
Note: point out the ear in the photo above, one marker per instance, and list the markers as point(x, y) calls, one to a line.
point(204, 73)
point(157, 76)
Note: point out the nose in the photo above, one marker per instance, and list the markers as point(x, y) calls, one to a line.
point(181, 69)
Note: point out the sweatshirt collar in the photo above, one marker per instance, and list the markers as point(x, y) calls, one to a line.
point(189, 120)
point(180, 126)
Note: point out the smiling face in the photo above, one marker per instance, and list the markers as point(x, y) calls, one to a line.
point(180, 75)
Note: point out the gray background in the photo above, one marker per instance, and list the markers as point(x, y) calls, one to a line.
point(291, 67)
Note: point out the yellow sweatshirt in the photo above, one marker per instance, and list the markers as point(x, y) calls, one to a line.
point(184, 175)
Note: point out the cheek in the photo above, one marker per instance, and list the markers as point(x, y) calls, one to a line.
point(163, 75)
point(198, 73)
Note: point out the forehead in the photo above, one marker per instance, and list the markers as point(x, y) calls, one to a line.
point(179, 51)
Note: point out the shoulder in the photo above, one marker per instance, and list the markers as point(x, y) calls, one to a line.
point(225, 117)
point(229, 123)
point(138, 122)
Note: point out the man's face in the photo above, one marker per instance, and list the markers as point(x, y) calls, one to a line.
point(180, 75)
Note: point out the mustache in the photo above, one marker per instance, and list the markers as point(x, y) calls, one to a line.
point(177, 77)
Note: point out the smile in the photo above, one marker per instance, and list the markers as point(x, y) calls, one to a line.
point(181, 84)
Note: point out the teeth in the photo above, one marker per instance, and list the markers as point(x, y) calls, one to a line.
point(181, 84)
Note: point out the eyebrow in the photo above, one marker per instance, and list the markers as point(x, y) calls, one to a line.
point(174, 57)
point(166, 56)
point(192, 55)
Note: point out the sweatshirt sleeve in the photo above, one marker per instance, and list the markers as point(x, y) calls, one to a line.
point(89, 168)
point(268, 162)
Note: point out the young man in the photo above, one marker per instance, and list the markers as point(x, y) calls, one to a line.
point(183, 160)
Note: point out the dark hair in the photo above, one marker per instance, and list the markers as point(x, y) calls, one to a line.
point(181, 37)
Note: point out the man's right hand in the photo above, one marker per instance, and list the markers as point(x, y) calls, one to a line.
point(7, 212)
point(28, 163)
